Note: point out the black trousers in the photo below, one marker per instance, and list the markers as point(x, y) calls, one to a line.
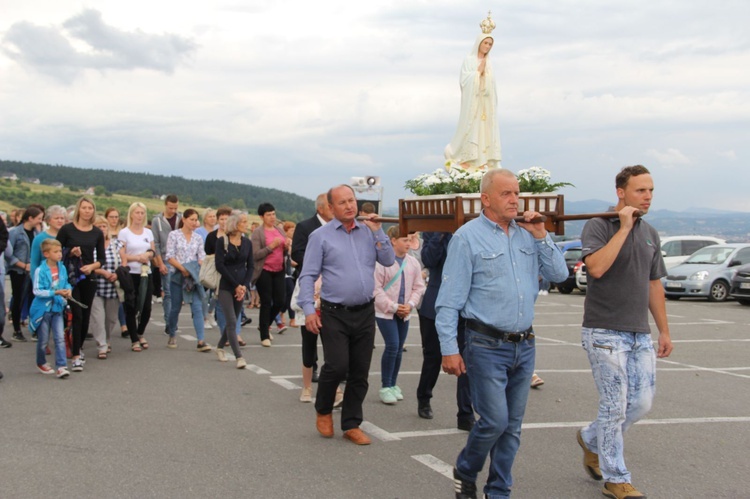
point(348, 339)
point(272, 291)
point(20, 286)
point(137, 325)
point(432, 360)
point(84, 292)
point(309, 348)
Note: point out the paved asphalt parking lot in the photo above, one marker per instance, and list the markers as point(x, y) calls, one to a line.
point(178, 423)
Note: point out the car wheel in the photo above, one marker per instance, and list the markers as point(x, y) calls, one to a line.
point(743, 301)
point(673, 297)
point(719, 291)
point(566, 290)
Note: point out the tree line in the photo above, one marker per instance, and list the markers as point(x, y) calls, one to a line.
point(200, 192)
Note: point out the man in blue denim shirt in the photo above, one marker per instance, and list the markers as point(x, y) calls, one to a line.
point(624, 263)
point(491, 278)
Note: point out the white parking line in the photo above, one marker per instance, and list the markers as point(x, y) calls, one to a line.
point(256, 369)
point(377, 432)
point(436, 464)
point(284, 383)
point(699, 368)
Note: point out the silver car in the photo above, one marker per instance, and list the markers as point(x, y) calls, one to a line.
point(707, 273)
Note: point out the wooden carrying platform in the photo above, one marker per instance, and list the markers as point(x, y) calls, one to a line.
point(448, 213)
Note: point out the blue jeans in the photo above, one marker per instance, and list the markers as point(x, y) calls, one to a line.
point(53, 321)
point(167, 301)
point(196, 307)
point(624, 369)
point(394, 334)
point(500, 378)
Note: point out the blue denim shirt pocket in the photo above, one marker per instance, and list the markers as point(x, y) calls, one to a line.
point(490, 264)
point(526, 258)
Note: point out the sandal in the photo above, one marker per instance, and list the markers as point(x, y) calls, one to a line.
point(109, 348)
point(241, 343)
point(102, 355)
point(144, 344)
point(136, 347)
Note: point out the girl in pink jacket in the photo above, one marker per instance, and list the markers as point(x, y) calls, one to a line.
point(398, 291)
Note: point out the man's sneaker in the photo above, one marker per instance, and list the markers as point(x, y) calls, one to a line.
point(34, 337)
point(387, 396)
point(203, 347)
point(306, 395)
point(221, 355)
point(464, 489)
point(397, 392)
point(590, 459)
point(63, 372)
point(45, 369)
point(280, 328)
point(246, 321)
point(18, 336)
point(621, 491)
point(5, 344)
point(83, 358)
point(77, 366)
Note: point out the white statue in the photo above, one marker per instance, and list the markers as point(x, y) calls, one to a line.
point(476, 143)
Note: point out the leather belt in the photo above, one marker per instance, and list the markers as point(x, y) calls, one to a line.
point(348, 308)
point(508, 337)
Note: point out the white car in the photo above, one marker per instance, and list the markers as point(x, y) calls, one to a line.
point(676, 249)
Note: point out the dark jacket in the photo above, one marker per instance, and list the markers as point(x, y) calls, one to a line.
point(234, 264)
point(434, 252)
point(299, 241)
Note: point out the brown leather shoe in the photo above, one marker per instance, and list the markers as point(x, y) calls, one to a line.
point(621, 491)
point(324, 424)
point(357, 436)
point(590, 459)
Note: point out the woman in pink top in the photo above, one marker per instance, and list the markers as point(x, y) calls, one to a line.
point(269, 250)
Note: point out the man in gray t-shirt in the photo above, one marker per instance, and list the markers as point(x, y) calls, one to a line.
point(624, 264)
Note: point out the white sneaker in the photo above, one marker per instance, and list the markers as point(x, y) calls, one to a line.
point(207, 325)
point(266, 343)
point(270, 336)
point(241, 363)
point(306, 395)
point(339, 398)
point(63, 372)
point(222, 356)
point(159, 300)
point(213, 322)
point(397, 392)
point(387, 396)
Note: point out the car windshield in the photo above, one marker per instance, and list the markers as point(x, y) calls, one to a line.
point(572, 255)
point(712, 255)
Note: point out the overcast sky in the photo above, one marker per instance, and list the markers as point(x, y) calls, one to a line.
point(302, 95)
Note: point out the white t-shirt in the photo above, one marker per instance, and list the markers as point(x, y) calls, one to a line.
point(135, 245)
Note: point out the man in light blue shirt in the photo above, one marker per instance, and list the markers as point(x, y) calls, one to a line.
point(343, 252)
point(491, 278)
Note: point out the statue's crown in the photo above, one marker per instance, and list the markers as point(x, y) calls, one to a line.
point(488, 24)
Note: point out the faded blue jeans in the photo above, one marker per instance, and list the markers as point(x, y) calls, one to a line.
point(196, 306)
point(624, 369)
point(500, 379)
point(52, 321)
point(394, 335)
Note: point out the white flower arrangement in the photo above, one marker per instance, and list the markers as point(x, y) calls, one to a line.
point(455, 181)
point(538, 180)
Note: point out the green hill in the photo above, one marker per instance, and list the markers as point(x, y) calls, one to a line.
point(143, 185)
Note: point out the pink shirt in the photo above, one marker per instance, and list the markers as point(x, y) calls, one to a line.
point(275, 260)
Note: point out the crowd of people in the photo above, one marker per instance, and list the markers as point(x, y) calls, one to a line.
point(345, 278)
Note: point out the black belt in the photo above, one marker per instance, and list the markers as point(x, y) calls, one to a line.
point(505, 336)
point(349, 308)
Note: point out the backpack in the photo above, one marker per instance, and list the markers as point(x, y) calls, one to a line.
point(209, 276)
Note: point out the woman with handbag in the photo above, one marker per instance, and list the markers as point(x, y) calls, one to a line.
point(234, 261)
point(136, 253)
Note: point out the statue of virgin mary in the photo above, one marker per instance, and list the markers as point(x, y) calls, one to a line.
point(476, 143)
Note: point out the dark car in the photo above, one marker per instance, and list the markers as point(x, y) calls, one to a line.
point(572, 260)
point(740, 286)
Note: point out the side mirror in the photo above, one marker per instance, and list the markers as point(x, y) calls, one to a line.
point(734, 263)
point(663, 253)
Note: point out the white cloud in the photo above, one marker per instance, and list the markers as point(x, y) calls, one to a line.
point(303, 95)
